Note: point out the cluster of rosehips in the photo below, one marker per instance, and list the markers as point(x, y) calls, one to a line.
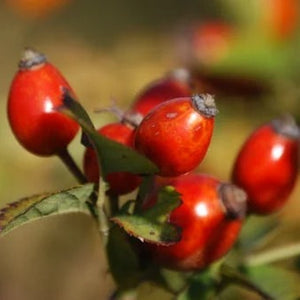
point(172, 128)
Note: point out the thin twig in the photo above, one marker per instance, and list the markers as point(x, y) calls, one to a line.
point(114, 203)
point(69, 162)
point(102, 218)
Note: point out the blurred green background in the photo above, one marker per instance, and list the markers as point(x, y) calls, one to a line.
point(111, 50)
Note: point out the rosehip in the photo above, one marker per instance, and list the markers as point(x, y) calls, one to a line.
point(174, 85)
point(210, 218)
point(266, 166)
point(35, 92)
point(120, 182)
point(176, 134)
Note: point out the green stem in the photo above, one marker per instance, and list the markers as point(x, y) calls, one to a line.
point(114, 204)
point(102, 218)
point(69, 162)
point(273, 255)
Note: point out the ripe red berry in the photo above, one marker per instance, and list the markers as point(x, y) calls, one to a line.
point(35, 92)
point(119, 182)
point(174, 85)
point(210, 218)
point(267, 165)
point(176, 134)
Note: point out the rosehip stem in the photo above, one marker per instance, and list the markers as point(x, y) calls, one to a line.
point(102, 217)
point(69, 162)
point(114, 204)
point(273, 255)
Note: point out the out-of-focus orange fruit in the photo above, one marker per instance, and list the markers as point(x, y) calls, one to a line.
point(205, 43)
point(36, 8)
point(281, 17)
point(211, 41)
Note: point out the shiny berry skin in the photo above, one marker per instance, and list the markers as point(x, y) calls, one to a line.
point(174, 85)
point(120, 182)
point(35, 92)
point(176, 134)
point(267, 165)
point(210, 217)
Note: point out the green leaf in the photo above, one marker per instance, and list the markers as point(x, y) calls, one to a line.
point(123, 261)
point(277, 282)
point(168, 200)
point(200, 287)
point(267, 281)
point(151, 225)
point(146, 230)
point(112, 156)
point(254, 55)
point(230, 276)
point(29, 209)
point(146, 185)
point(174, 281)
point(256, 232)
point(76, 109)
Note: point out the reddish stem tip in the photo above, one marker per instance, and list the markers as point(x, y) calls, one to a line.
point(31, 58)
point(234, 200)
point(205, 105)
point(286, 125)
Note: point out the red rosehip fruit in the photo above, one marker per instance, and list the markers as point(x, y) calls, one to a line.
point(210, 218)
point(176, 134)
point(35, 92)
point(174, 85)
point(267, 165)
point(119, 182)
